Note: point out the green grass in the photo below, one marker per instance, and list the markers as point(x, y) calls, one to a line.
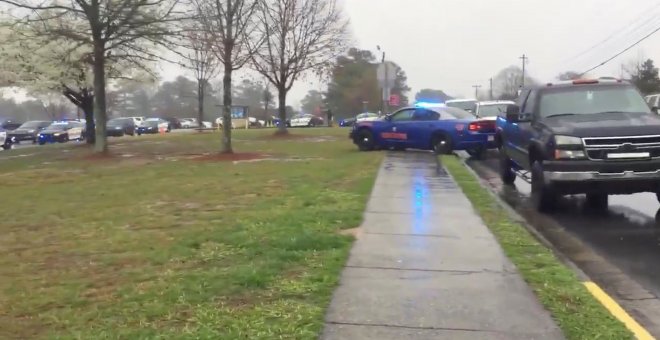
point(155, 244)
point(577, 312)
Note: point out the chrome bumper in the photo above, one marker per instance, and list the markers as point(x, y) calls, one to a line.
point(550, 176)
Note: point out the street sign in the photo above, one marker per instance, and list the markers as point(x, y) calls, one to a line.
point(386, 74)
point(394, 100)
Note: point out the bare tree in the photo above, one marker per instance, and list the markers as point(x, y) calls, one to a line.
point(203, 63)
point(299, 36)
point(126, 30)
point(230, 25)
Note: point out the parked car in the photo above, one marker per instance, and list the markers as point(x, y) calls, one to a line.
point(468, 105)
point(28, 131)
point(589, 136)
point(175, 123)
point(61, 132)
point(149, 127)
point(306, 120)
point(189, 123)
point(442, 129)
point(137, 120)
point(6, 140)
point(218, 123)
point(119, 127)
point(653, 100)
point(362, 117)
point(162, 123)
point(9, 124)
point(491, 109)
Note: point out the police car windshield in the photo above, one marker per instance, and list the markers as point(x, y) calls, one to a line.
point(151, 123)
point(579, 100)
point(491, 110)
point(58, 126)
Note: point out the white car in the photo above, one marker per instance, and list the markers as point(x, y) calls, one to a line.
point(137, 120)
point(7, 143)
point(305, 119)
point(463, 104)
point(218, 123)
point(367, 116)
point(489, 110)
point(189, 123)
point(162, 123)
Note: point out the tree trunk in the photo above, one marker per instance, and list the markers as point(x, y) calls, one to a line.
point(101, 142)
point(200, 103)
point(226, 110)
point(281, 92)
point(84, 100)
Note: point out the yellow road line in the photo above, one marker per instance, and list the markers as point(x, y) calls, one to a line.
point(618, 312)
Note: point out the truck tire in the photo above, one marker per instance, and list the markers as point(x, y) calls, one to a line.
point(507, 175)
point(597, 201)
point(544, 198)
point(442, 144)
point(365, 140)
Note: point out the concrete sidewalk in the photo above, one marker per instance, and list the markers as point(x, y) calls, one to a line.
point(426, 267)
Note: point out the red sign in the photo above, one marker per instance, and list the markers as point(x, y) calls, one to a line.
point(394, 100)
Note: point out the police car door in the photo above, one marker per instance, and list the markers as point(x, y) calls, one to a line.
point(75, 130)
point(420, 130)
point(397, 132)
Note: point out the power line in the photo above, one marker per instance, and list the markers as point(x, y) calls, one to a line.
point(622, 52)
point(618, 31)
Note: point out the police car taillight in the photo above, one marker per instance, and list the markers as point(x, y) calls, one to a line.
point(481, 125)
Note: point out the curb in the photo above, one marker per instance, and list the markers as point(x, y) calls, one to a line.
point(582, 276)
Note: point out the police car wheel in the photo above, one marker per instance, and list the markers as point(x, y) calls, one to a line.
point(365, 140)
point(442, 145)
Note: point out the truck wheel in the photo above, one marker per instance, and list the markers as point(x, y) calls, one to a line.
point(543, 197)
point(597, 201)
point(442, 144)
point(365, 140)
point(476, 153)
point(507, 174)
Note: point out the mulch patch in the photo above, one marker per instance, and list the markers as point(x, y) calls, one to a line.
point(285, 136)
point(230, 157)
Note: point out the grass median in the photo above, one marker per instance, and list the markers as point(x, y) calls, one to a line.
point(166, 240)
point(577, 312)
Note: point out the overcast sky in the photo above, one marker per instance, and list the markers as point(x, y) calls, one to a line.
point(454, 44)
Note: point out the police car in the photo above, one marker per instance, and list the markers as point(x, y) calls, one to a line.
point(6, 140)
point(62, 131)
point(427, 127)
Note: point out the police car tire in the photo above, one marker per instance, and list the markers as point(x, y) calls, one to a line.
point(369, 144)
point(442, 144)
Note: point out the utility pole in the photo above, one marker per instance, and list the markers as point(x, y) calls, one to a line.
point(386, 90)
point(524, 61)
point(490, 88)
point(476, 90)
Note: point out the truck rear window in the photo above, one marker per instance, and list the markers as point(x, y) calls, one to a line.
point(591, 99)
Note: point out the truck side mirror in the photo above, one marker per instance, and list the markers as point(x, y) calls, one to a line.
point(512, 113)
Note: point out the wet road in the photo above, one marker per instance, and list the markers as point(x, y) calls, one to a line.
point(619, 249)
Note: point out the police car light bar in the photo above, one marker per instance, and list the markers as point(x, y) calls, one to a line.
point(428, 104)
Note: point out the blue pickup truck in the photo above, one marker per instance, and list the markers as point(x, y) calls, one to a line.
point(590, 136)
point(442, 129)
